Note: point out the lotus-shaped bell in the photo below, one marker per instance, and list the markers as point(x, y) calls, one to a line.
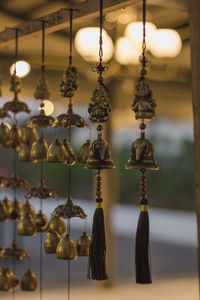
point(29, 282)
point(4, 135)
point(8, 205)
point(25, 153)
point(71, 158)
point(66, 248)
point(15, 137)
point(3, 213)
point(142, 155)
point(39, 149)
point(26, 226)
point(83, 244)
point(84, 152)
point(57, 224)
point(28, 209)
point(29, 135)
point(51, 242)
point(57, 152)
point(41, 222)
point(17, 210)
point(100, 156)
point(8, 281)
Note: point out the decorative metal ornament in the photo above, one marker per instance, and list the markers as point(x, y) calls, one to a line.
point(69, 84)
point(42, 88)
point(28, 209)
point(29, 135)
point(8, 281)
point(42, 192)
point(57, 152)
point(66, 248)
point(69, 210)
point(83, 244)
point(41, 222)
point(39, 149)
point(25, 153)
point(16, 182)
point(40, 120)
point(3, 214)
point(4, 135)
point(26, 226)
point(51, 242)
point(29, 282)
point(84, 152)
point(15, 138)
point(8, 206)
point(57, 224)
point(70, 120)
point(71, 158)
point(17, 210)
point(14, 252)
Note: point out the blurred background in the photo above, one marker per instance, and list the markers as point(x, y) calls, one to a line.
point(170, 191)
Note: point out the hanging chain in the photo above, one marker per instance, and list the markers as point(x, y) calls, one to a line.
point(143, 59)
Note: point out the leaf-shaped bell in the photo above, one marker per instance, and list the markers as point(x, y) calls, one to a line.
point(66, 248)
point(142, 155)
point(29, 135)
point(83, 244)
point(3, 214)
point(71, 158)
point(26, 226)
point(57, 224)
point(8, 281)
point(100, 156)
point(25, 153)
point(17, 210)
point(57, 152)
point(15, 137)
point(29, 282)
point(41, 222)
point(39, 149)
point(51, 242)
point(4, 135)
point(28, 209)
point(84, 152)
point(8, 205)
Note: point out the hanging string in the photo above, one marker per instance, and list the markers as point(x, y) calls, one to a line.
point(43, 44)
point(16, 47)
point(71, 36)
point(101, 30)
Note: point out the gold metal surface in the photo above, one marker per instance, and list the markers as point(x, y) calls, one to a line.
point(51, 242)
point(69, 84)
point(42, 192)
point(16, 182)
point(83, 244)
point(4, 135)
point(71, 158)
point(41, 222)
point(29, 282)
point(8, 205)
point(28, 209)
point(25, 153)
point(66, 249)
point(84, 152)
point(40, 120)
point(29, 135)
point(15, 138)
point(17, 210)
point(14, 252)
point(39, 149)
point(57, 152)
point(57, 224)
point(26, 226)
point(8, 281)
point(42, 88)
point(3, 214)
point(69, 210)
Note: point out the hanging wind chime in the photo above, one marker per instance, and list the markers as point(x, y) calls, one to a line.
point(142, 158)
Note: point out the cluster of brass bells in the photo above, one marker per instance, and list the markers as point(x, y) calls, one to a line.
point(8, 281)
point(61, 152)
point(29, 136)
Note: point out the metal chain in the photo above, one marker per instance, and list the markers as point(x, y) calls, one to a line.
point(101, 29)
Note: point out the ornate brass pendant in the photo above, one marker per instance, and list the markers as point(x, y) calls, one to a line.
point(66, 249)
point(71, 158)
point(69, 84)
point(8, 281)
point(70, 120)
point(51, 242)
point(83, 244)
point(84, 152)
point(26, 226)
point(29, 282)
point(42, 192)
point(40, 120)
point(39, 149)
point(14, 252)
point(57, 224)
point(42, 89)
point(69, 210)
point(16, 182)
point(8, 205)
point(57, 152)
point(17, 210)
point(29, 135)
point(41, 222)
point(28, 209)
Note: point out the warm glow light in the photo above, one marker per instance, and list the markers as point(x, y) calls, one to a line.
point(22, 68)
point(48, 107)
point(165, 43)
point(134, 31)
point(87, 44)
point(126, 53)
point(7, 124)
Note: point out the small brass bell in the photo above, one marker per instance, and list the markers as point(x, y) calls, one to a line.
point(28, 209)
point(29, 135)
point(15, 137)
point(4, 135)
point(51, 242)
point(83, 244)
point(57, 224)
point(8, 281)
point(39, 149)
point(15, 281)
point(100, 156)
point(3, 213)
point(25, 153)
point(29, 282)
point(41, 222)
point(17, 210)
point(57, 152)
point(8, 205)
point(71, 158)
point(26, 226)
point(66, 248)
point(84, 152)
point(142, 155)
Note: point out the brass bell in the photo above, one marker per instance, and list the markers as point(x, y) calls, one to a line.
point(71, 158)
point(84, 152)
point(3, 214)
point(57, 224)
point(25, 153)
point(4, 135)
point(100, 156)
point(83, 244)
point(26, 226)
point(8, 205)
point(28, 209)
point(29, 135)
point(17, 210)
point(66, 248)
point(51, 242)
point(29, 282)
point(15, 137)
point(41, 222)
point(142, 155)
point(8, 281)
point(15, 281)
point(57, 152)
point(39, 149)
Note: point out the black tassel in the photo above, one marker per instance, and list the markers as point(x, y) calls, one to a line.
point(97, 255)
point(143, 273)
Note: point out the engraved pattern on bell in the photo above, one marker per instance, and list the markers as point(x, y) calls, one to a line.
point(142, 156)
point(100, 108)
point(42, 192)
point(26, 226)
point(3, 213)
point(40, 120)
point(71, 158)
point(4, 135)
point(15, 138)
point(29, 282)
point(69, 84)
point(57, 224)
point(16, 106)
point(66, 248)
point(8, 281)
point(57, 152)
point(41, 222)
point(51, 242)
point(83, 244)
point(100, 156)
point(15, 182)
point(17, 210)
point(69, 210)
point(42, 88)
point(84, 152)
point(29, 135)
point(14, 252)
point(39, 149)
point(8, 205)
point(28, 209)
point(144, 104)
point(69, 120)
